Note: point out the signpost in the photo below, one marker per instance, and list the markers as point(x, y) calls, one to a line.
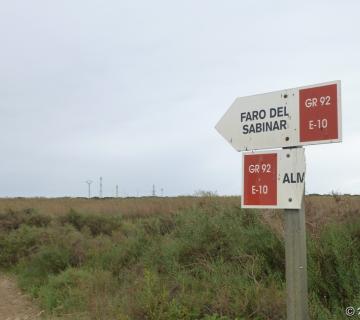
point(287, 119)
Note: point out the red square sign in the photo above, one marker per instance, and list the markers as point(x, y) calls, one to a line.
point(319, 113)
point(260, 179)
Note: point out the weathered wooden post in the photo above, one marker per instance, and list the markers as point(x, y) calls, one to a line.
point(296, 265)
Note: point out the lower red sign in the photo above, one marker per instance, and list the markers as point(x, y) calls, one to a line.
point(260, 179)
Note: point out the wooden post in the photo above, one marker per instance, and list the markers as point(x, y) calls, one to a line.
point(296, 265)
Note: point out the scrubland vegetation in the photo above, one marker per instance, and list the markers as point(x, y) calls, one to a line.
point(175, 258)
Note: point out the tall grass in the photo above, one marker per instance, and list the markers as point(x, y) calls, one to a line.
point(209, 261)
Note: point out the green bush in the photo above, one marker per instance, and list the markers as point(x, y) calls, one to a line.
point(34, 273)
point(334, 270)
point(225, 263)
point(12, 220)
point(207, 263)
point(118, 257)
point(95, 223)
point(20, 243)
point(80, 291)
point(66, 292)
point(75, 242)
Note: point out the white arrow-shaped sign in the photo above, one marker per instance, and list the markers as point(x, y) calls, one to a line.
point(286, 118)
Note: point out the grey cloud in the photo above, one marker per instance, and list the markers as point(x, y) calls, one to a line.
point(131, 90)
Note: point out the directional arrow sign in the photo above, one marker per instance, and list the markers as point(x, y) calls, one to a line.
point(273, 179)
point(286, 118)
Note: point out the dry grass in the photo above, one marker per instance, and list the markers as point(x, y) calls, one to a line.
point(137, 207)
point(320, 209)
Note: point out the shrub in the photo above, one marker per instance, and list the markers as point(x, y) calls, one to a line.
point(118, 257)
point(75, 242)
point(34, 273)
point(12, 220)
point(80, 291)
point(211, 262)
point(224, 263)
point(20, 243)
point(95, 223)
point(334, 271)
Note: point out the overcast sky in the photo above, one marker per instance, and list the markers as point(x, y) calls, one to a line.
point(131, 90)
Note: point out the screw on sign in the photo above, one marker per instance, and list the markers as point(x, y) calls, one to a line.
point(319, 113)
